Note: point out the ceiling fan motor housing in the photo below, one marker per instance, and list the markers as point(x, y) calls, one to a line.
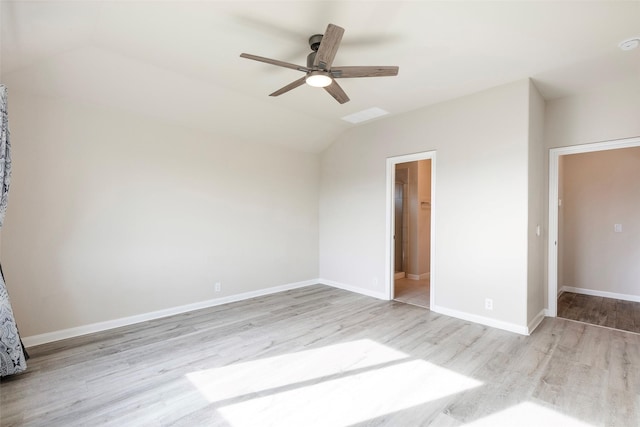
point(314, 42)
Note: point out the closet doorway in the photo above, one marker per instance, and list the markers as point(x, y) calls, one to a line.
point(589, 245)
point(598, 225)
point(410, 249)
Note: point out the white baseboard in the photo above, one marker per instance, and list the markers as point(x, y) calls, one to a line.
point(487, 321)
point(596, 293)
point(535, 322)
point(130, 320)
point(355, 289)
point(48, 337)
point(511, 327)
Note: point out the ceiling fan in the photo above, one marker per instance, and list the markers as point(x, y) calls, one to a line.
point(319, 71)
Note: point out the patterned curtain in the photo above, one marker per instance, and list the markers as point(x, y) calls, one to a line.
point(12, 354)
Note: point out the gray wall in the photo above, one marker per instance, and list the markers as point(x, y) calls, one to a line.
point(605, 113)
point(601, 189)
point(480, 206)
point(113, 215)
point(536, 214)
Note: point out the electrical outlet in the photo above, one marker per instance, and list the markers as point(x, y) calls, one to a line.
point(217, 287)
point(488, 304)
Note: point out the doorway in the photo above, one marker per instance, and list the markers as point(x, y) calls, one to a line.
point(410, 223)
point(556, 220)
point(598, 221)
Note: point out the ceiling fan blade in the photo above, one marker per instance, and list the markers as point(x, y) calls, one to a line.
point(328, 47)
point(275, 62)
point(347, 72)
point(288, 87)
point(336, 91)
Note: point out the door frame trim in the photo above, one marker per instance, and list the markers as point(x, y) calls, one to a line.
point(554, 158)
point(390, 219)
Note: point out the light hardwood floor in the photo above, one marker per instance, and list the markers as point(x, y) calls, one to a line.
point(414, 292)
point(320, 356)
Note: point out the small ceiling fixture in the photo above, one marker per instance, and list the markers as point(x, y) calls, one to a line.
point(318, 79)
point(630, 44)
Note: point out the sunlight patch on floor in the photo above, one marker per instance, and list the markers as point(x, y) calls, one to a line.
point(265, 374)
point(528, 414)
point(335, 385)
point(352, 398)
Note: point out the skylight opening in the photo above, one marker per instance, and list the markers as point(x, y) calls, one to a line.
point(364, 115)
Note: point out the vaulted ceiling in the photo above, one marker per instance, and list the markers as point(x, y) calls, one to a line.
point(178, 61)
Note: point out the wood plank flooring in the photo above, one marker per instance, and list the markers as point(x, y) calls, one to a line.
point(612, 313)
point(414, 292)
point(319, 356)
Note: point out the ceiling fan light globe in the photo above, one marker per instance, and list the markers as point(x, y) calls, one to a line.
point(317, 79)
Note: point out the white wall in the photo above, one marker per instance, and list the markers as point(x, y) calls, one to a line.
point(536, 291)
point(602, 189)
point(480, 204)
point(112, 215)
point(605, 113)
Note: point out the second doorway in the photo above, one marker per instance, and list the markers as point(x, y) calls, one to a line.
point(412, 233)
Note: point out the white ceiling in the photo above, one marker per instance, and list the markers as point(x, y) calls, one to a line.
point(179, 61)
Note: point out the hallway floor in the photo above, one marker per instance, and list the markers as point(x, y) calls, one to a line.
point(612, 313)
point(415, 292)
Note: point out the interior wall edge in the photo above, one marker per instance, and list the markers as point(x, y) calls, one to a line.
point(535, 322)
